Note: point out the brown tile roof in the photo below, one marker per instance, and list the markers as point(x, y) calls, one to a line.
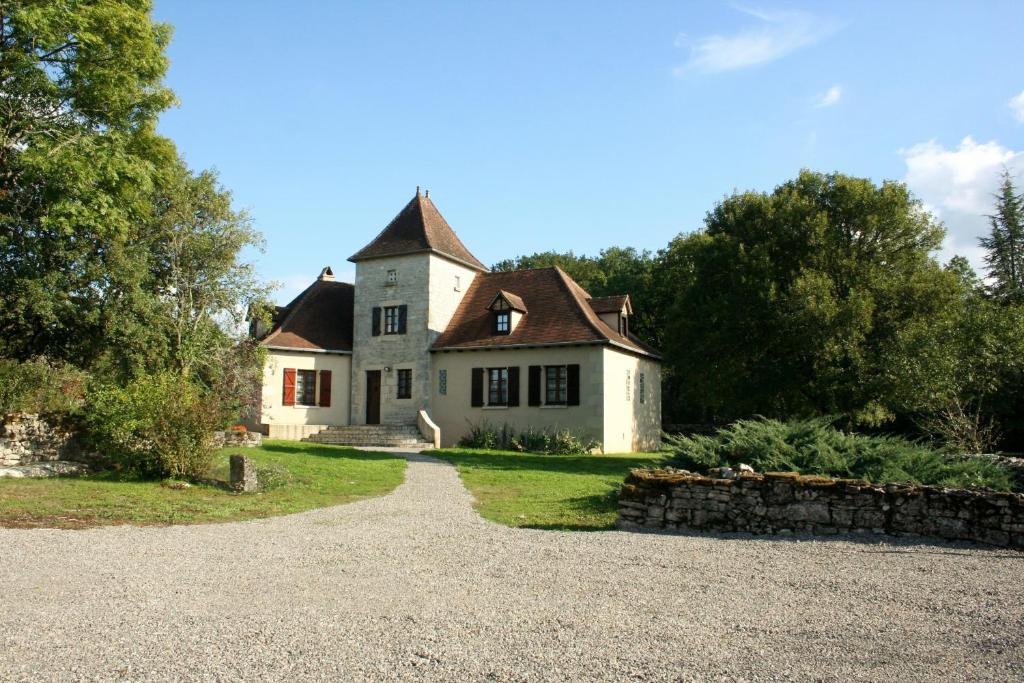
point(318, 319)
point(559, 313)
point(611, 304)
point(419, 227)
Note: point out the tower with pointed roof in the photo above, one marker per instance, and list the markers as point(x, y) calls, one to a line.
point(409, 281)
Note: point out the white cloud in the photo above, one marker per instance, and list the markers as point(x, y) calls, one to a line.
point(957, 186)
point(1017, 105)
point(777, 35)
point(829, 98)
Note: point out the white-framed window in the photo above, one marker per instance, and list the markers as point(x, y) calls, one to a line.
point(642, 389)
point(305, 387)
point(391, 320)
point(458, 283)
point(503, 322)
point(442, 382)
point(556, 383)
point(497, 386)
point(392, 277)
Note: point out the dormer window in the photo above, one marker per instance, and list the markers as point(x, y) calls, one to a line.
point(502, 322)
point(506, 311)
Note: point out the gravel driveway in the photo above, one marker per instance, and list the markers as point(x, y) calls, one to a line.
point(415, 585)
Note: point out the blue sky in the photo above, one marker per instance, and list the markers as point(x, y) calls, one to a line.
point(582, 125)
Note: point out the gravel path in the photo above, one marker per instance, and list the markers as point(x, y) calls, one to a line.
point(415, 585)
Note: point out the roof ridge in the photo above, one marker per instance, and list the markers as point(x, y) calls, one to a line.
point(588, 314)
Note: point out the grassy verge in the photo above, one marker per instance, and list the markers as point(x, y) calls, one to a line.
point(305, 476)
point(545, 491)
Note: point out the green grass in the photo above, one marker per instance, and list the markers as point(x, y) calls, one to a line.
point(545, 491)
point(308, 476)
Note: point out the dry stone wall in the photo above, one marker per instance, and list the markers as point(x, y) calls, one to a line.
point(784, 502)
point(26, 439)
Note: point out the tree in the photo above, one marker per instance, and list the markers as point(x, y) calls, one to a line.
point(1005, 243)
point(788, 304)
point(80, 90)
point(583, 269)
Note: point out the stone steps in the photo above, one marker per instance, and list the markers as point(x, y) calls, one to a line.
point(398, 436)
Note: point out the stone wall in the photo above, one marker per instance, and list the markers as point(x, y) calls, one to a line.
point(783, 502)
point(236, 439)
point(27, 438)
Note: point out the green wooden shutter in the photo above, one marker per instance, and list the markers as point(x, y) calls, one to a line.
point(534, 385)
point(573, 380)
point(403, 311)
point(476, 398)
point(376, 321)
point(513, 387)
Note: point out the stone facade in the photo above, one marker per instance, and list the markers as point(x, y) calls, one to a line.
point(26, 439)
point(784, 502)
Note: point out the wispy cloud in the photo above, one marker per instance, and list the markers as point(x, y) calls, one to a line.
point(1017, 105)
point(776, 35)
point(830, 97)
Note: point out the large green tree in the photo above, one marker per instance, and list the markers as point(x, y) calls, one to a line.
point(1004, 244)
point(790, 303)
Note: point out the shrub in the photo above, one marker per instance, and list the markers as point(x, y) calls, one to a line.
point(557, 442)
point(40, 386)
point(815, 447)
point(158, 426)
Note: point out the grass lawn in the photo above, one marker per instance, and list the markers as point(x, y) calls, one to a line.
point(545, 491)
point(311, 476)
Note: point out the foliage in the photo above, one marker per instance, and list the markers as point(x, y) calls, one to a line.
point(1004, 245)
point(550, 442)
point(545, 491)
point(815, 447)
point(156, 426)
point(40, 386)
point(304, 477)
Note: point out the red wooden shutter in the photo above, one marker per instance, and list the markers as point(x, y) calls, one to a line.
point(533, 386)
point(289, 386)
point(476, 398)
point(513, 387)
point(573, 380)
point(325, 388)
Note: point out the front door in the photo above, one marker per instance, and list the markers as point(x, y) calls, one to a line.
point(373, 397)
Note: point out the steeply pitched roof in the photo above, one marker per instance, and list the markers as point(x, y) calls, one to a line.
point(419, 227)
point(611, 304)
point(318, 319)
point(559, 313)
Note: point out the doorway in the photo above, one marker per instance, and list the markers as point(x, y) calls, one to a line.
point(373, 397)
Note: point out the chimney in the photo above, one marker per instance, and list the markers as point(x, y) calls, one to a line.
point(326, 275)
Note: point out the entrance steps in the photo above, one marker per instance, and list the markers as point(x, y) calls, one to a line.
point(395, 436)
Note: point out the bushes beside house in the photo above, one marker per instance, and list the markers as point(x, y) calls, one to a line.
point(549, 442)
point(816, 447)
point(41, 386)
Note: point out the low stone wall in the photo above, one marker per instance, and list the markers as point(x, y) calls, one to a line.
point(236, 439)
point(27, 438)
point(784, 502)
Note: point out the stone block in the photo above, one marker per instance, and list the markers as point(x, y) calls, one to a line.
point(243, 474)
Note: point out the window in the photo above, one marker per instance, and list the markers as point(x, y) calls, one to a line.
point(391, 320)
point(556, 380)
point(629, 385)
point(502, 322)
point(305, 387)
point(641, 390)
point(405, 384)
point(392, 277)
point(497, 386)
point(442, 382)
point(458, 283)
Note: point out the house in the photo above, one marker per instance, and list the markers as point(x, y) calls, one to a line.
point(428, 341)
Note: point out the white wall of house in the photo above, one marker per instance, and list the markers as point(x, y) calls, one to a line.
point(632, 418)
point(455, 416)
point(448, 283)
point(281, 421)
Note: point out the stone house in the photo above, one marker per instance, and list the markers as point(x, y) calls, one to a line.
point(428, 341)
